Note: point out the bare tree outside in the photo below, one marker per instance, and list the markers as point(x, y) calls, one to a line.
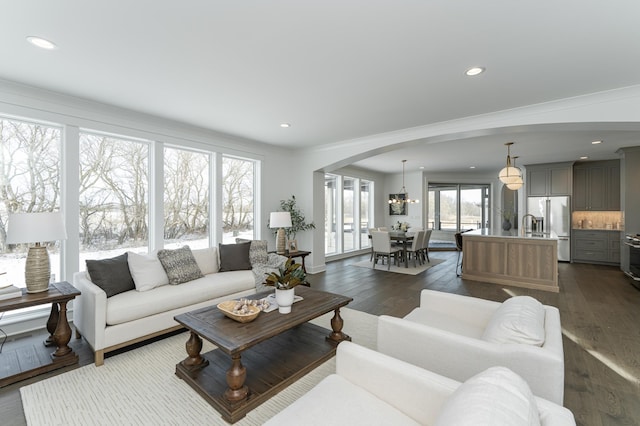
point(237, 198)
point(186, 195)
point(29, 183)
point(114, 183)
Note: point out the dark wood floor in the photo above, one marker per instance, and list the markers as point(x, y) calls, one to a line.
point(600, 314)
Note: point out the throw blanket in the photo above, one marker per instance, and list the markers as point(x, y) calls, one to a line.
point(261, 270)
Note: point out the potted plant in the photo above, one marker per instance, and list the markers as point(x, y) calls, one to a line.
point(288, 276)
point(298, 220)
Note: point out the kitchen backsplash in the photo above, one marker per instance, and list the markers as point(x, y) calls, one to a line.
point(596, 220)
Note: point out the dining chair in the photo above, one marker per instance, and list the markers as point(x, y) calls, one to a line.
point(416, 246)
point(383, 228)
point(371, 231)
point(458, 237)
point(424, 249)
point(382, 248)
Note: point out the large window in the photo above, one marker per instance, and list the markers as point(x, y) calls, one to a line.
point(348, 213)
point(330, 213)
point(29, 183)
point(114, 200)
point(238, 207)
point(455, 207)
point(186, 198)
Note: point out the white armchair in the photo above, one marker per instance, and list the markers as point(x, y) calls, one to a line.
point(370, 388)
point(445, 335)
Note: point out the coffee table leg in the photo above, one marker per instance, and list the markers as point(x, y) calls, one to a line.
point(194, 361)
point(236, 376)
point(337, 335)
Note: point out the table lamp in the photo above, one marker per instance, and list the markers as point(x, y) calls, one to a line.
point(280, 220)
point(36, 228)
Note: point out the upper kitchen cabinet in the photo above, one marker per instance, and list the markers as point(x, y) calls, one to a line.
point(596, 185)
point(549, 179)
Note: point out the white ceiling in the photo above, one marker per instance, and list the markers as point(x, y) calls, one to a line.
point(336, 70)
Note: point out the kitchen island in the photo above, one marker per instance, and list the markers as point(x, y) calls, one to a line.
point(511, 258)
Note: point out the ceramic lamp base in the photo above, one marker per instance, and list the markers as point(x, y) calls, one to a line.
point(280, 241)
point(37, 269)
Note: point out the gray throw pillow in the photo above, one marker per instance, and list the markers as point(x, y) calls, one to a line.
point(234, 257)
point(258, 254)
point(111, 275)
point(180, 265)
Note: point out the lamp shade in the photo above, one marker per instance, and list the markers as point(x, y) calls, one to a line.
point(280, 220)
point(36, 227)
point(509, 175)
point(516, 184)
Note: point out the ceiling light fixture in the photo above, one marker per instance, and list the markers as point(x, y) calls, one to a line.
point(596, 142)
point(41, 42)
point(403, 196)
point(474, 71)
point(509, 174)
point(584, 157)
point(472, 167)
point(285, 125)
point(517, 182)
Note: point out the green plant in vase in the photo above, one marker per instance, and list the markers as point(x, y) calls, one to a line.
point(288, 276)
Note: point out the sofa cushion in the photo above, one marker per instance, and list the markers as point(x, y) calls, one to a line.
point(519, 319)
point(234, 257)
point(180, 265)
point(147, 271)
point(111, 275)
point(134, 305)
point(207, 260)
point(495, 397)
point(258, 254)
point(335, 400)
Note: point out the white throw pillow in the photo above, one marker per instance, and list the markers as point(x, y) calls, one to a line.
point(519, 319)
point(207, 260)
point(147, 271)
point(495, 397)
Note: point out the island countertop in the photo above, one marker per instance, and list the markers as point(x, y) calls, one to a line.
point(510, 258)
point(512, 233)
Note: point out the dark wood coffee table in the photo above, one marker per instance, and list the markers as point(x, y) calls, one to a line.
point(265, 355)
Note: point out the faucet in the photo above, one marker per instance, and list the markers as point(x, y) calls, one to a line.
point(533, 221)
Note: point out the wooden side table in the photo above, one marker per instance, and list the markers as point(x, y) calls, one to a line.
point(25, 363)
point(293, 254)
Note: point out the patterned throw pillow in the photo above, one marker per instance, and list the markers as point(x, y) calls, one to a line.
point(258, 254)
point(180, 265)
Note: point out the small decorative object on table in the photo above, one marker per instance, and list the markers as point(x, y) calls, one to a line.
point(293, 246)
point(284, 281)
point(243, 310)
point(401, 226)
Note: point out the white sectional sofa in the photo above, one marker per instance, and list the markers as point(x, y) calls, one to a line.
point(370, 388)
point(109, 323)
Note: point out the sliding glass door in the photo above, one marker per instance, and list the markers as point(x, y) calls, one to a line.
point(455, 207)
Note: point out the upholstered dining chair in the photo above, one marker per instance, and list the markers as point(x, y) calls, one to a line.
point(458, 237)
point(383, 228)
point(382, 248)
point(416, 246)
point(424, 247)
point(371, 231)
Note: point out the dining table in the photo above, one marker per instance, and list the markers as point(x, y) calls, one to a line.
point(403, 238)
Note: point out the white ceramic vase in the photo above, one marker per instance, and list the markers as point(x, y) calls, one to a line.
point(284, 299)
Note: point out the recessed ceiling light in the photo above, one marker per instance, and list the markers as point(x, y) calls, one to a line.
point(472, 167)
point(474, 71)
point(596, 142)
point(421, 167)
point(285, 125)
point(584, 157)
point(41, 42)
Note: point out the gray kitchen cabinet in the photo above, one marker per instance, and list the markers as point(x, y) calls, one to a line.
point(549, 179)
point(596, 186)
point(595, 246)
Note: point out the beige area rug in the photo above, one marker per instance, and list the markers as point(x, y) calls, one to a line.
point(399, 269)
point(140, 387)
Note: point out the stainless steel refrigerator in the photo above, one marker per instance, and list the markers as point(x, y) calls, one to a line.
point(556, 214)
